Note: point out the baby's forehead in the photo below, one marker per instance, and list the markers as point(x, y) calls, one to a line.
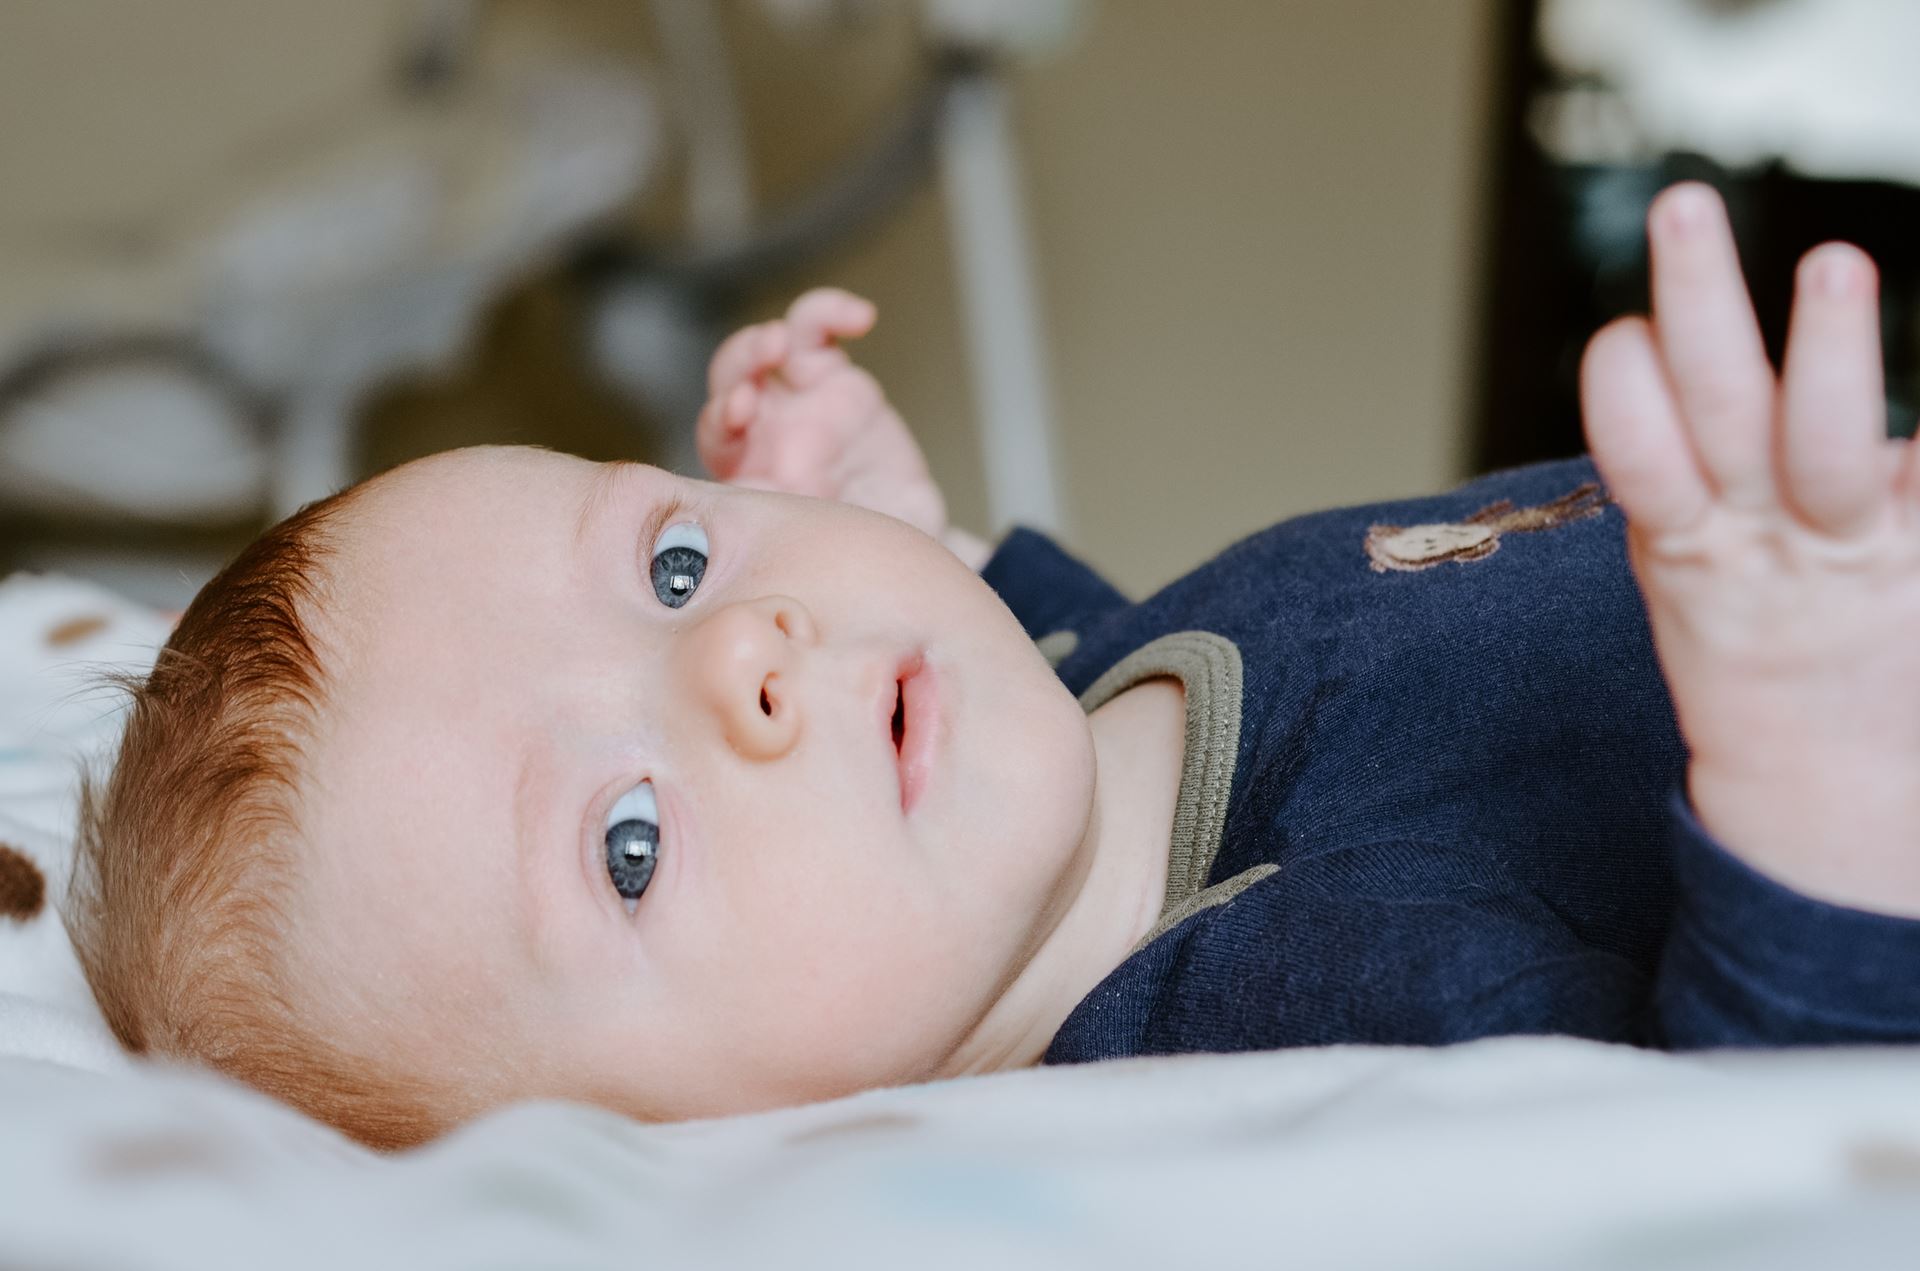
point(447, 532)
point(449, 568)
point(480, 473)
point(464, 501)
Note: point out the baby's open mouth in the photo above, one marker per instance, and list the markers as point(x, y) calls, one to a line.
point(913, 731)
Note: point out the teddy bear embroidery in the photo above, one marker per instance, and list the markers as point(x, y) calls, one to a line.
point(1411, 547)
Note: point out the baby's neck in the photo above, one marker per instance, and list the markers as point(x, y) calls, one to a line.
point(1139, 741)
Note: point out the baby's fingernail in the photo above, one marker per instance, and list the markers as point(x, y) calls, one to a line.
point(1687, 208)
point(1834, 272)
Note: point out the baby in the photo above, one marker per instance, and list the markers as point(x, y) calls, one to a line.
point(505, 774)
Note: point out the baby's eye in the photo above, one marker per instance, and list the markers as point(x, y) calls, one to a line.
point(679, 562)
point(633, 842)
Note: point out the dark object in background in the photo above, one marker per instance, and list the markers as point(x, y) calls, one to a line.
point(1569, 254)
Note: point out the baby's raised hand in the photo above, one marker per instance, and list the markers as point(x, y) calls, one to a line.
point(1775, 533)
point(787, 410)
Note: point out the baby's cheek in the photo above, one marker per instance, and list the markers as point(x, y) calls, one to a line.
point(835, 1012)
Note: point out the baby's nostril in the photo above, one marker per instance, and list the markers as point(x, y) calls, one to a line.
point(766, 705)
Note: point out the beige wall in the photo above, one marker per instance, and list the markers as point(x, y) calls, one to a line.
point(117, 113)
point(1256, 224)
point(1258, 230)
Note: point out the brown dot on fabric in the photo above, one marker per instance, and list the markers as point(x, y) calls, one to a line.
point(146, 1155)
point(74, 630)
point(1885, 1164)
point(22, 890)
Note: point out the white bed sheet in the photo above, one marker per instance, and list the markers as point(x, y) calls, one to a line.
point(1511, 1153)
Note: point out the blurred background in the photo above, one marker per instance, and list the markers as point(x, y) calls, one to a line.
point(1150, 275)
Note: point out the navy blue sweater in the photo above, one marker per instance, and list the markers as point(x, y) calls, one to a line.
point(1454, 807)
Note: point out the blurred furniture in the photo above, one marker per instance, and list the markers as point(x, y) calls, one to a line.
point(211, 372)
point(169, 386)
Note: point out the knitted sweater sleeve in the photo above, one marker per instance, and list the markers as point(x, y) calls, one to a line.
point(1751, 962)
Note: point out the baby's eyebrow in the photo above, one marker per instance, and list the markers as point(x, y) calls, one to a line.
point(597, 491)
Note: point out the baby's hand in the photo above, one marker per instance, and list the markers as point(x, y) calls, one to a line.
point(789, 411)
point(1775, 533)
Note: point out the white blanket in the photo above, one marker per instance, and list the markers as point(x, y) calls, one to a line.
point(1509, 1153)
point(58, 639)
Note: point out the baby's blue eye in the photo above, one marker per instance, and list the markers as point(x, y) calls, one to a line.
point(679, 562)
point(633, 842)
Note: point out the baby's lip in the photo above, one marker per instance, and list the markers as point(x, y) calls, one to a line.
point(911, 693)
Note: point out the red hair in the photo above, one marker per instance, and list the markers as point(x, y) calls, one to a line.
point(187, 846)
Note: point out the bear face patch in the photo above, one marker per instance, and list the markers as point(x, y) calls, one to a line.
point(1411, 547)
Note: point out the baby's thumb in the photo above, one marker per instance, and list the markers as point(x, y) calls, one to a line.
point(826, 314)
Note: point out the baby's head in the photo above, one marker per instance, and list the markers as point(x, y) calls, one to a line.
point(383, 805)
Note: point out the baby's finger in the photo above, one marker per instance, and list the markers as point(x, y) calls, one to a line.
point(738, 409)
point(1715, 359)
point(747, 353)
point(721, 449)
point(1833, 397)
point(720, 435)
point(826, 314)
point(1634, 429)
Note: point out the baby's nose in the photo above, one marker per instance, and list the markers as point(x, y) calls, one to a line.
point(749, 656)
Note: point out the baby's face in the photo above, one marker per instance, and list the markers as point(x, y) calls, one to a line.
point(826, 911)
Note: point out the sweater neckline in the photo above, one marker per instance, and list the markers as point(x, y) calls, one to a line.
point(1208, 668)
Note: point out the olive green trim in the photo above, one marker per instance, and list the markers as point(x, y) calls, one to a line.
point(1057, 646)
point(1208, 665)
point(1218, 894)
